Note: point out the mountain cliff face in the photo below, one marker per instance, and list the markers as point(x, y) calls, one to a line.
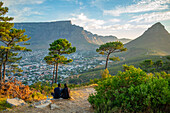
point(155, 40)
point(43, 33)
point(97, 39)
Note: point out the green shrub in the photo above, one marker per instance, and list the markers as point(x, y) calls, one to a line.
point(132, 91)
point(105, 74)
point(3, 104)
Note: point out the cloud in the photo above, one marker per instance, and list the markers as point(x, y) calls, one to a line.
point(87, 23)
point(108, 27)
point(21, 2)
point(151, 17)
point(21, 15)
point(141, 6)
point(75, 1)
point(19, 11)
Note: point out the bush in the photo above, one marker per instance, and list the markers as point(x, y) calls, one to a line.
point(14, 88)
point(132, 91)
point(105, 74)
point(36, 96)
point(3, 104)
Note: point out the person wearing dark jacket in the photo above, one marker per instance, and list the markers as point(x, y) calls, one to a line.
point(65, 92)
point(57, 92)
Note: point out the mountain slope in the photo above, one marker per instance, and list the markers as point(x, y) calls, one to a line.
point(155, 40)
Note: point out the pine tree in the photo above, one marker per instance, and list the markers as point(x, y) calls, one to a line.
point(11, 46)
point(5, 27)
point(56, 55)
point(9, 38)
point(111, 47)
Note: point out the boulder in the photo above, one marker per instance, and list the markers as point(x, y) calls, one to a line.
point(54, 106)
point(42, 103)
point(16, 102)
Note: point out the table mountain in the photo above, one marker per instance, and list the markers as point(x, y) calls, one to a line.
point(43, 33)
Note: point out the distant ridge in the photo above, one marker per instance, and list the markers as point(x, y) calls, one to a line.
point(63, 21)
point(155, 40)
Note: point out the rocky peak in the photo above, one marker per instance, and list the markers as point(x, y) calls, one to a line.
point(156, 28)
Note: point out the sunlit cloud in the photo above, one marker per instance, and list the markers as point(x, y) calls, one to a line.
point(141, 6)
point(151, 17)
point(106, 27)
point(87, 23)
point(21, 2)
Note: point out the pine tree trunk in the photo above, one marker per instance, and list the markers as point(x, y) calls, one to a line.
point(53, 75)
point(0, 73)
point(56, 72)
point(107, 60)
point(4, 65)
point(1, 67)
point(4, 71)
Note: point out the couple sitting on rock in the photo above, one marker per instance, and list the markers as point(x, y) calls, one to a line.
point(61, 93)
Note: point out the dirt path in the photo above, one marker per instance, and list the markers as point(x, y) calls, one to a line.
point(78, 104)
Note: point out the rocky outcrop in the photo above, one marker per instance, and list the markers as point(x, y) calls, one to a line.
point(42, 103)
point(54, 106)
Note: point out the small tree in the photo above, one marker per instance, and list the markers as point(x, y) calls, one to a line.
point(111, 47)
point(57, 49)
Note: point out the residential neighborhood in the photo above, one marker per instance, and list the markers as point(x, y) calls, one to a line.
point(36, 69)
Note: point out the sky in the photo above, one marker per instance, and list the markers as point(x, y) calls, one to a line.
point(120, 18)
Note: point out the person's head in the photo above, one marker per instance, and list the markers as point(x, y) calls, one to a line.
point(65, 85)
point(59, 85)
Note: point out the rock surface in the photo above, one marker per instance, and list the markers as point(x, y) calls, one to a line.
point(54, 106)
point(16, 102)
point(42, 103)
